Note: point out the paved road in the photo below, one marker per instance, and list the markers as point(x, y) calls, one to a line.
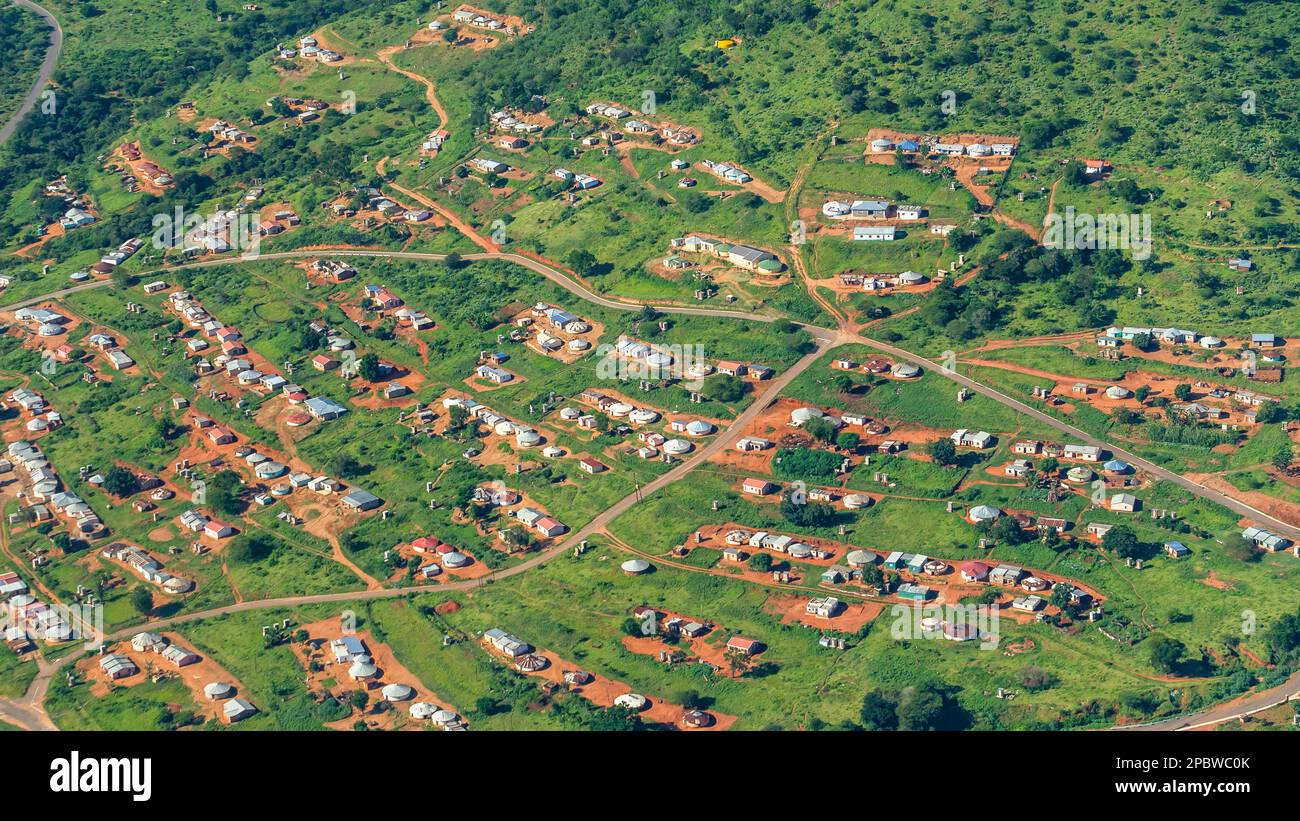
point(1233, 710)
point(43, 76)
point(27, 711)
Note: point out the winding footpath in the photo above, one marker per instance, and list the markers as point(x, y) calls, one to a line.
point(43, 76)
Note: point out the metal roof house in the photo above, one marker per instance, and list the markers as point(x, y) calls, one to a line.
point(1006, 575)
point(237, 709)
point(324, 409)
point(874, 233)
point(359, 499)
point(913, 592)
point(1266, 540)
point(744, 256)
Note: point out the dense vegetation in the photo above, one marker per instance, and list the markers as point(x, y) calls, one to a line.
point(23, 40)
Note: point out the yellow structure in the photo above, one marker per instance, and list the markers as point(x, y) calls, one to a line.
point(725, 44)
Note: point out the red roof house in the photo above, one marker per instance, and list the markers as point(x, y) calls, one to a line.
point(743, 646)
point(975, 571)
point(217, 530)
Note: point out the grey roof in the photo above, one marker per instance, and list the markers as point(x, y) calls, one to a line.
point(361, 498)
point(749, 254)
point(320, 405)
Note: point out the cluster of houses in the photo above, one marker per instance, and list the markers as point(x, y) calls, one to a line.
point(334, 270)
point(580, 182)
point(609, 112)
point(775, 542)
point(232, 357)
point(307, 110)
point(230, 134)
point(43, 491)
point(351, 651)
point(151, 172)
point(672, 134)
point(727, 172)
point(524, 436)
point(1116, 336)
point(659, 361)
point(942, 149)
point(310, 49)
point(42, 321)
point(672, 625)
point(368, 198)
point(147, 567)
point(741, 256)
point(1267, 366)
point(116, 666)
point(278, 223)
point(267, 469)
point(447, 555)
point(32, 403)
point(619, 409)
point(472, 17)
point(215, 234)
point(546, 526)
point(548, 321)
point(15, 637)
point(506, 121)
point(381, 300)
point(173, 654)
point(29, 618)
point(882, 282)
point(871, 210)
point(880, 367)
point(109, 262)
point(1052, 450)
point(233, 362)
point(106, 345)
point(76, 215)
